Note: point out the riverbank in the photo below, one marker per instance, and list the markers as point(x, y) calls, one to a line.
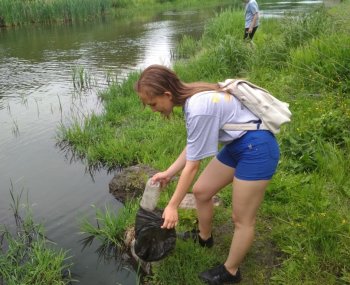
point(20, 12)
point(303, 225)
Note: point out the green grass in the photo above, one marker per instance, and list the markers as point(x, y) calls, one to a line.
point(22, 12)
point(26, 256)
point(303, 228)
point(324, 61)
point(19, 12)
point(114, 138)
point(109, 229)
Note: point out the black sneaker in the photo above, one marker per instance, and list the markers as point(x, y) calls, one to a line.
point(219, 275)
point(194, 235)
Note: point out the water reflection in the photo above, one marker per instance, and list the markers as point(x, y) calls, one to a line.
point(72, 156)
point(279, 9)
point(156, 52)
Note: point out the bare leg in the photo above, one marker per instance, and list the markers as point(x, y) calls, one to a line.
point(246, 199)
point(214, 177)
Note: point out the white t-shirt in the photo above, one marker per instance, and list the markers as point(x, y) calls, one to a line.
point(251, 9)
point(206, 113)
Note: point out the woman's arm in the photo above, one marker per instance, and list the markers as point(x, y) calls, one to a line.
point(165, 176)
point(255, 18)
point(187, 176)
point(178, 164)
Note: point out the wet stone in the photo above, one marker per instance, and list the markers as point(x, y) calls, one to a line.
point(130, 182)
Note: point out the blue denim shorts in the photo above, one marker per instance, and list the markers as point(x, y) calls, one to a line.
point(255, 155)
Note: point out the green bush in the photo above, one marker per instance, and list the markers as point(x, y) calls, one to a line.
point(333, 126)
point(299, 150)
point(326, 120)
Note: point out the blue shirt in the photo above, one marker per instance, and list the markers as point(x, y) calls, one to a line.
point(251, 8)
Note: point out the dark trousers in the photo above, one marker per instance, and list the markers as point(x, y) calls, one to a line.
point(251, 35)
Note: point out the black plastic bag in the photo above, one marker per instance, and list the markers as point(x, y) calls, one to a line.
point(152, 243)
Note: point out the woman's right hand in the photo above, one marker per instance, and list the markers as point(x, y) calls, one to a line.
point(162, 177)
point(171, 217)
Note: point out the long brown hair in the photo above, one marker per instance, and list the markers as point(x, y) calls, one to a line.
point(157, 79)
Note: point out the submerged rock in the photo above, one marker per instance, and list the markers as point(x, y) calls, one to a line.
point(130, 182)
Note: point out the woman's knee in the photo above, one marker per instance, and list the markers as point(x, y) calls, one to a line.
point(241, 221)
point(200, 192)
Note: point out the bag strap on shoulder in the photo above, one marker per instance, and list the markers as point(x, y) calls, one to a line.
point(225, 85)
point(232, 84)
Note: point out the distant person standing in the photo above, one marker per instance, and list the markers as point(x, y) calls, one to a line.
point(251, 18)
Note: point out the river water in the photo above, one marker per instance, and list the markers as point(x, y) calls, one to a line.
point(37, 96)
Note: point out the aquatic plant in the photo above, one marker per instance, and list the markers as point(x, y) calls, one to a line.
point(109, 229)
point(81, 78)
point(26, 255)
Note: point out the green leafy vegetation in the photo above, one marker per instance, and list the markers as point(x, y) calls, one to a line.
point(26, 256)
point(109, 229)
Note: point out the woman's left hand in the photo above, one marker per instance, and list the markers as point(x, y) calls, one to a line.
point(162, 177)
point(170, 217)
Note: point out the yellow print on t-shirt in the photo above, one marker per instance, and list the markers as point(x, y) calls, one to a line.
point(216, 97)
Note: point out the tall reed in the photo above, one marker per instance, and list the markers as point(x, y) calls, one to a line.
point(22, 12)
point(19, 12)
